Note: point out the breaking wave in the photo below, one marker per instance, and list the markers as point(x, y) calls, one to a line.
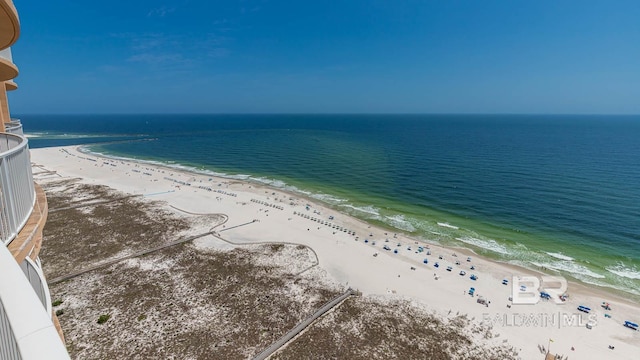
point(624, 271)
point(488, 244)
point(560, 256)
point(570, 267)
point(371, 211)
point(399, 222)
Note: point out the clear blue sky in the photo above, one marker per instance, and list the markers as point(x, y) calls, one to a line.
point(376, 56)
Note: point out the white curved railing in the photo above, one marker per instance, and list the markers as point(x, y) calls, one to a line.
point(6, 54)
point(26, 329)
point(38, 282)
point(17, 192)
point(14, 127)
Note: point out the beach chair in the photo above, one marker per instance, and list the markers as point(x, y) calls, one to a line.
point(584, 309)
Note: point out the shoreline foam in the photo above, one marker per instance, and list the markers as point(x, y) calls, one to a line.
point(486, 246)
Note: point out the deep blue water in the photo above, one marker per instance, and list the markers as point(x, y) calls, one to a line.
point(555, 191)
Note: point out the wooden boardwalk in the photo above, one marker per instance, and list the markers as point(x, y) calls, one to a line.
point(303, 325)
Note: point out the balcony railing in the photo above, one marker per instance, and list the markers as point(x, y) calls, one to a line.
point(26, 329)
point(14, 127)
point(17, 192)
point(37, 280)
point(8, 69)
point(6, 54)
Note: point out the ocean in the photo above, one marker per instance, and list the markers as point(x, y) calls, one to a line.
point(555, 191)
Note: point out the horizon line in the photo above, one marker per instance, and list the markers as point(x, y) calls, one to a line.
point(335, 113)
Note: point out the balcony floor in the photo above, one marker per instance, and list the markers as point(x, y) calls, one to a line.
point(29, 241)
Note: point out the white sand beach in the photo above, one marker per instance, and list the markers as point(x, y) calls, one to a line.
point(353, 253)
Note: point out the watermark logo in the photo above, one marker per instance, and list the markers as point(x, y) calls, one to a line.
point(528, 290)
point(557, 320)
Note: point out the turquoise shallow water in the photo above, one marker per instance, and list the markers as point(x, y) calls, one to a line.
point(557, 192)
